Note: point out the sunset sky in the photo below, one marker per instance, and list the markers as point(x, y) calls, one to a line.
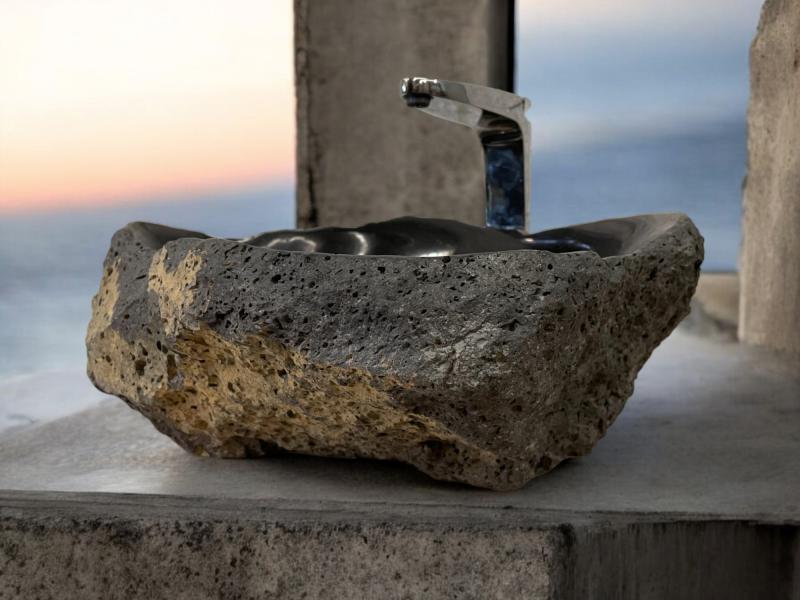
point(117, 100)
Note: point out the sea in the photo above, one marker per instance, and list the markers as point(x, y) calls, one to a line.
point(50, 263)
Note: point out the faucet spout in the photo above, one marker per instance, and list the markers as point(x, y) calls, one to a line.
point(504, 131)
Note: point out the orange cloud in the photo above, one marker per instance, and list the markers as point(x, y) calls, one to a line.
point(114, 99)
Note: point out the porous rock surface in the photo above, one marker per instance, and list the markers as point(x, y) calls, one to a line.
point(487, 369)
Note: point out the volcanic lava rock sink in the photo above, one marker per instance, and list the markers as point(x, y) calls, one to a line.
point(476, 355)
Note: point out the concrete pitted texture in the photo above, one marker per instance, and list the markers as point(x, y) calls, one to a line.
point(487, 369)
point(770, 302)
point(692, 494)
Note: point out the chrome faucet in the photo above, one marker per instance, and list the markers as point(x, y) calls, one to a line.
point(504, 131)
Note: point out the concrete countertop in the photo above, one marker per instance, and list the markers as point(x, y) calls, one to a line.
point(712, 429)
point(711, 435)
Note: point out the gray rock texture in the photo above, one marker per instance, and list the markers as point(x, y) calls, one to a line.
point(487, 369)
point(770, 277)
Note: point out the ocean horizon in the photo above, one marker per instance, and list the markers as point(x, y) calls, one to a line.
point(50, 262)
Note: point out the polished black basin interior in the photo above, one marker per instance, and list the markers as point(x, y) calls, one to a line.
point(413, 236)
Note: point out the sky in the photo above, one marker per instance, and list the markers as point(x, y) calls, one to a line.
point(676, 16)
point(108, 101)
point(607, 69)
point(114, 99)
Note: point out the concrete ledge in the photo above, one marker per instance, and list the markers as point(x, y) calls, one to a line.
point(693, 494)
point(116, 546)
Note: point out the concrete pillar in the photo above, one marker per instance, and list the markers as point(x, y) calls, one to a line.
point(770, 263)
point(362, 155)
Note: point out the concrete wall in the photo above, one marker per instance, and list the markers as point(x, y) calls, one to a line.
point(770, 264)
point(362, 155)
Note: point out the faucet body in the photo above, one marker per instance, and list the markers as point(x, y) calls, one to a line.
point(504, 131)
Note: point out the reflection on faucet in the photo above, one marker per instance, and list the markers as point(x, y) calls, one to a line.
point(504, 131)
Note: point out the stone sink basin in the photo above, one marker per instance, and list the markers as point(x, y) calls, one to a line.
point(475, 355)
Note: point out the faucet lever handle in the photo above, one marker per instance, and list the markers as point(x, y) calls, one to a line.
point(499, 118)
